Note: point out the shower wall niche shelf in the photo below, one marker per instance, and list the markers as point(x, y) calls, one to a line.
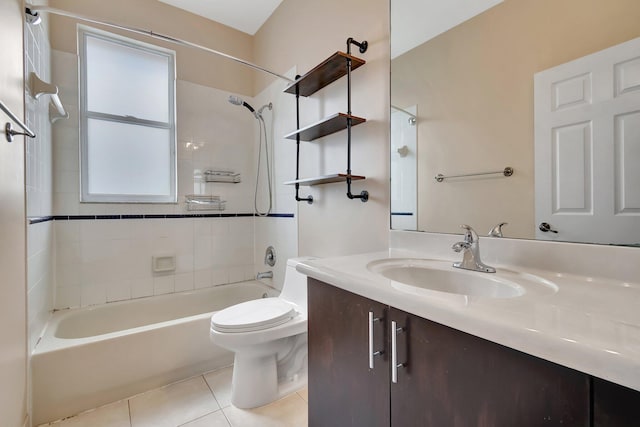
point(333, 68)
point(198, 202)
point(222, 176)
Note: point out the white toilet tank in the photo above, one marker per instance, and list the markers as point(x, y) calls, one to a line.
point(294, 288)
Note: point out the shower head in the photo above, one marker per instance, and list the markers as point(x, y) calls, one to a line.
point(235, 100)
point(32, 17)
point(268, 106)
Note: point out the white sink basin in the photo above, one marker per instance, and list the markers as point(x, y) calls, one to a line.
point(416, 275)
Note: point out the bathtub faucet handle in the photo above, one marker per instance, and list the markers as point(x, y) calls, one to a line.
point(270, 256)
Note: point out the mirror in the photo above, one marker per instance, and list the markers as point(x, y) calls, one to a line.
point(549, 88)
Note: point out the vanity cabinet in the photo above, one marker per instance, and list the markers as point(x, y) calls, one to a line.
point(614, 405)
point(343, 391)
point(452, 378)
point(446, 377)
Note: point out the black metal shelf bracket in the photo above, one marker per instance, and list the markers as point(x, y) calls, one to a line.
point(362, 45)
point(364, 195)
point(308, 199)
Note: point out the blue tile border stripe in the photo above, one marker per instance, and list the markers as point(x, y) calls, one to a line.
point(37, 220)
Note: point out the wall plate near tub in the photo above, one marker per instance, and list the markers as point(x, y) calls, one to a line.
point(270, 256)
point(163, 264)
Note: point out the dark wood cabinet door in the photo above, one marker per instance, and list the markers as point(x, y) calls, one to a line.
point(615, 405)
point(343, 391)
point(455, 379)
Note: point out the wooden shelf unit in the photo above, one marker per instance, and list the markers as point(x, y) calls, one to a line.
point(324, 127)
point(336, 66)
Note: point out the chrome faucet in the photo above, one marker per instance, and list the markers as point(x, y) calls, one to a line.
point(497, 230)
point(471, 252)
point(264, 275)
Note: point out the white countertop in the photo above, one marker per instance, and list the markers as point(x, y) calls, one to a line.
point(591, 324)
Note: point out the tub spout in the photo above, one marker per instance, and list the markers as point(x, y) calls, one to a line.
point(265, 275)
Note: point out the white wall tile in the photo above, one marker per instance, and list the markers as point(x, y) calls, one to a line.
point(33, 240)
point(68, 252)
point(40, 245)
point(67, 231)
point(68, 296)
point(202, 227)
point(184, 282)
point(185, 263)
point(203, 278)
point(93, 294)
point(65, 180)
point(139, 230)
point(66, 202)
point(140, 260)
point(221, 251)
point(203, 253)
point(219, 276)
point(240, 273)
point(68, 275)
point(119, 290)
point(142, 287)
point(219, 226)
point(163, 284)
point(96, 272)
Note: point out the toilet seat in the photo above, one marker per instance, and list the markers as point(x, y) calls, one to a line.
point(253, 315)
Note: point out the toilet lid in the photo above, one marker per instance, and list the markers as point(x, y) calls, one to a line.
point(253, 315)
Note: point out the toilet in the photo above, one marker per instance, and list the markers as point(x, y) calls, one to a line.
point(269, 339)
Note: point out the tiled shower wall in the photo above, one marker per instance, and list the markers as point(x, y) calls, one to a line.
point(104, 251)
point(281, 233)
point(101, 261)
point(40, 268)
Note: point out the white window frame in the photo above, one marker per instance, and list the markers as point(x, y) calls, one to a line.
point(83, 33)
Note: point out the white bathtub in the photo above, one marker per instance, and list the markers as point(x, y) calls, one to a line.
point(92, 356)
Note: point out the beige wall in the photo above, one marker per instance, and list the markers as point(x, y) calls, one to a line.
point(303, 33)
point(474, 89)
point(13, 329)
point(193, 65)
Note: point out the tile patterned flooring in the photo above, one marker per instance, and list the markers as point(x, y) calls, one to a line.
point(203, 401)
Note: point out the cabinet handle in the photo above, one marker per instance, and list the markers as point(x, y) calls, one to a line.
point(372, 353)
point(394, 351)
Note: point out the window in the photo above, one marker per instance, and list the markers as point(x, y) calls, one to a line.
point(127, 125)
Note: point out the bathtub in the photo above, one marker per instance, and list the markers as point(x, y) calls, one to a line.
point(92, 356)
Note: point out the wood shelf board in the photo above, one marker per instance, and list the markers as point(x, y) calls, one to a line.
point(326, 126)
point(325, 179)
point(324, 74)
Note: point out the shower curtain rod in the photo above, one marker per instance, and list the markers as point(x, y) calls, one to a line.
point(33, 9)
point(403, 111)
